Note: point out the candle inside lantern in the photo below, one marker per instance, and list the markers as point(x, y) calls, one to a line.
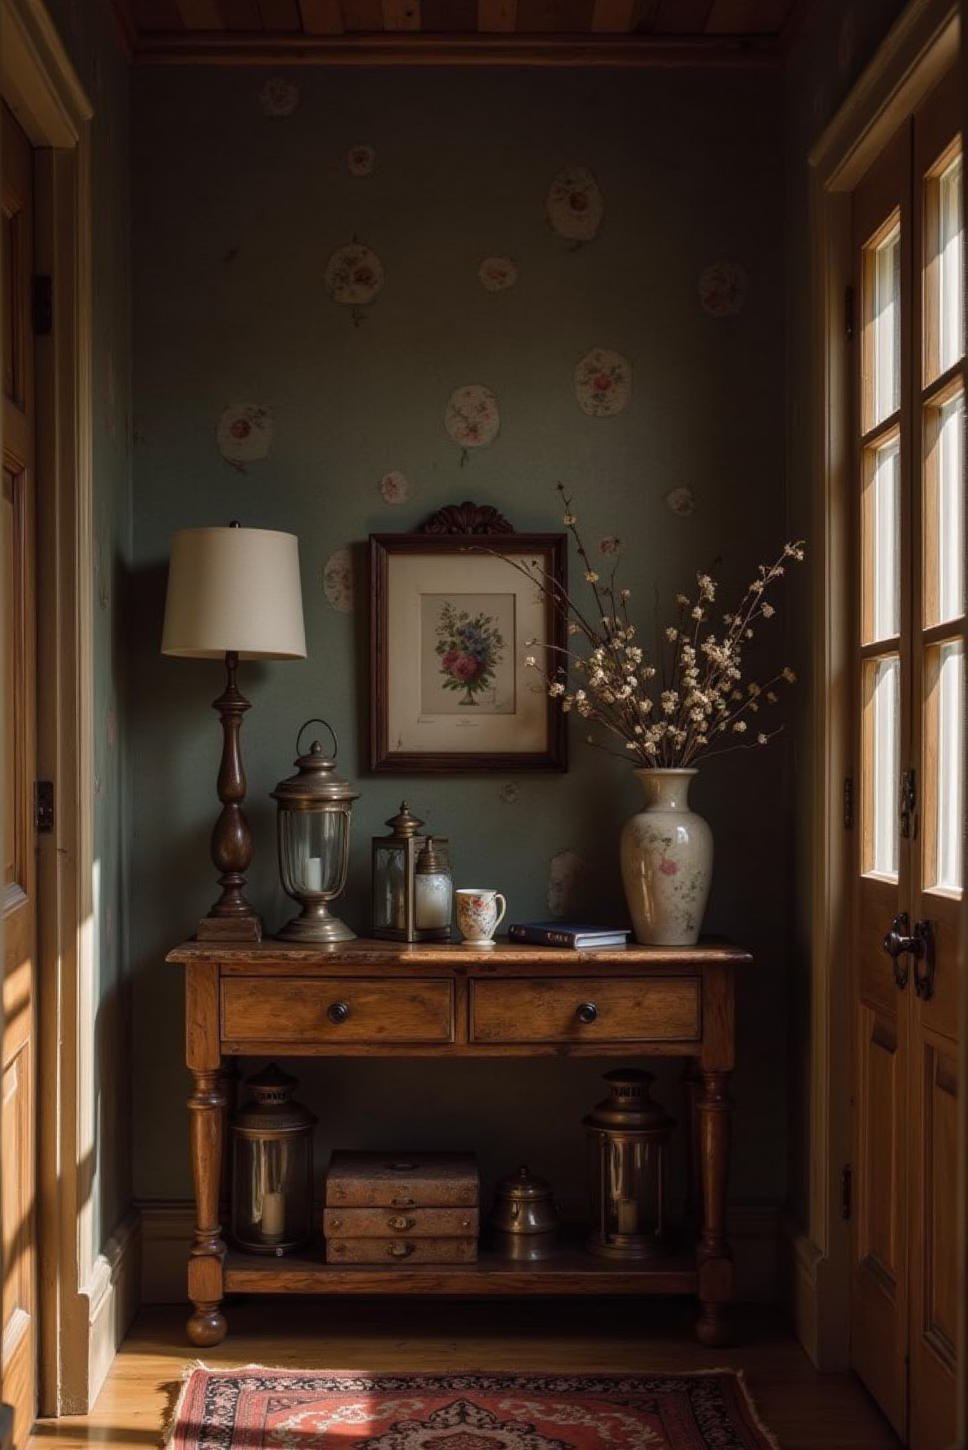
point(273, 1222)
point(313, 871)
point(628, 1216)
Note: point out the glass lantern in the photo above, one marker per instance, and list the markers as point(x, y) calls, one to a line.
point(272, 1167)
point(629, 1147)
point(412, 886)
point(313, 816)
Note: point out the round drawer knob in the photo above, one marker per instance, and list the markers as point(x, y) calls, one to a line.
point(401, 1225)
point(338, 1012)
point(400, 1251)
point(586, 1013)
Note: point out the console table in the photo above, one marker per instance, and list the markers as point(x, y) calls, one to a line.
point(380, 999)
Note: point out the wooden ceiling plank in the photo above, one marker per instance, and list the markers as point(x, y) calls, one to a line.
point(241, 15)
point(401, 14)
point(615, 16)
point(679, 17)
point(497, 16)
point(280, 15)
point(200, 14)
point(322, 17)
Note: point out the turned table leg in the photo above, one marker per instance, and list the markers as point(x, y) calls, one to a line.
point(713, 1256)
point(206, 1107)
point(691, 1089)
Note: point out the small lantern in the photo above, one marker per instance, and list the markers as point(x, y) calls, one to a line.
point(412, 886)
point(629, 1138)
point(314, 808)
point(272, 1167)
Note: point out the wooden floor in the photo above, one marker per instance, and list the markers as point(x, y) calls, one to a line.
point(804, 1409)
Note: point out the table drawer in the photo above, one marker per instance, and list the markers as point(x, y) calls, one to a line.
point(339, 1010)
point(587, 1009)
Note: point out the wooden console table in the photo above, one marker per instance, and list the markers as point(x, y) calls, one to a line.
point(377, 999)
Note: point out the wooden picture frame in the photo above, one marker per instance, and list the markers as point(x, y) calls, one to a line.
point(485, 710)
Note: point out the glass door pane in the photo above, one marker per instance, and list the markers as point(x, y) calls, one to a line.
point(886, 320)
point(950, 302)
point(950, 745)
point(882, 741)
point(881, 543)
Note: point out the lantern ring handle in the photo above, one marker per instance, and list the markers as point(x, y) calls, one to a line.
point(317, 720)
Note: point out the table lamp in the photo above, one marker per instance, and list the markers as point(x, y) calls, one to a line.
point(233, 594)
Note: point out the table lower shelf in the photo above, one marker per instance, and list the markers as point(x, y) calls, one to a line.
point(572, 1271)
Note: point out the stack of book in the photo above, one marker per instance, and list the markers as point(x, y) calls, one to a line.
point(567, 934)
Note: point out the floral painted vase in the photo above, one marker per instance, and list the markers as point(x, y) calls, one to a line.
point(667, 862)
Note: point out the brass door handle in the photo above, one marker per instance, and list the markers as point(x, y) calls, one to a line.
point(924, 960)
point(586, 1012)
point(399, 1251)
point(399, 1224)
point(337, 1012)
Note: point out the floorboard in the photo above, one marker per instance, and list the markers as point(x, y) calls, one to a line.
point(804, 1409)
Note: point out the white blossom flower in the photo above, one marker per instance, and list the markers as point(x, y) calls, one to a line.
point(788, 675)
point(671, 634)
point(556, 689)
point(569, 521)
point(767, 611)
point(531, 662)
point(762, 739)
point(739, 726)
point(591, 577)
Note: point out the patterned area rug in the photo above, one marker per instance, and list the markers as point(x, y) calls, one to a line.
point(267, 1409)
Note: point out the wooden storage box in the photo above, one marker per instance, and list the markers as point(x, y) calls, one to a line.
point(417, 1208)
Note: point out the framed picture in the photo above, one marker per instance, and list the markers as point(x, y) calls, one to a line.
point(451, 619)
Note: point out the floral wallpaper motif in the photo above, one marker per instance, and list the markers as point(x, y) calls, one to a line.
point(354, 276)
point(279, 97)
point(338, 581)
point(681, 501)
point(360, 160)
point(472, 418)
point(497, 274)
point(722, 289)
point(395, 488)
point(575, 204)
point(244, 433)
point(603, 383)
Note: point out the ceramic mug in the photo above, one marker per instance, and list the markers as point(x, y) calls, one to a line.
point(477, 915)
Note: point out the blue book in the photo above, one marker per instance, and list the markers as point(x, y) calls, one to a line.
point(567, 934)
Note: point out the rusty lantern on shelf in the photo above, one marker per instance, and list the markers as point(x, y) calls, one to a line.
point(629, 1146)
point(272, 1166)
point(314, 808)
point(413, 889)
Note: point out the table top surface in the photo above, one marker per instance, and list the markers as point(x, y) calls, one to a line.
point(364, 952)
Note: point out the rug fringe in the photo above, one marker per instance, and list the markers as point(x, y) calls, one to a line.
point(176, 1391)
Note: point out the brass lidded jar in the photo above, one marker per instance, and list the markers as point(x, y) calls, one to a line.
point(272, 1166)
point(629, 1147)
point(524, 1223)
point(412, 885)
point(313, 815)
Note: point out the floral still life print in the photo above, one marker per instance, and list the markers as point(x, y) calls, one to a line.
point(467, 653)
point(266, 1409)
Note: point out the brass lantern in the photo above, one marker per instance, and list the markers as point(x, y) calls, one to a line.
point(313, 815)
point(629, 1142)
point(412, 885)
point(272, 1167)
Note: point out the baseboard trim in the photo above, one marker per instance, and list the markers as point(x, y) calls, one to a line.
point(813, 1293)
point(167, 1226)
point(113, 1294)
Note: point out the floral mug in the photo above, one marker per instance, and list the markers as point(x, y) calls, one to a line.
point(477, 915)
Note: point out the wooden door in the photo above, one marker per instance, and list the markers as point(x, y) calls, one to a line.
point(17, 1091)
point(909, 693)
point(879, 1240)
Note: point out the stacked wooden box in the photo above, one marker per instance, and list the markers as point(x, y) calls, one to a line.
point(414, 1208)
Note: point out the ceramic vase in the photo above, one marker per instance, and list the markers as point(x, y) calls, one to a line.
point(667, 861)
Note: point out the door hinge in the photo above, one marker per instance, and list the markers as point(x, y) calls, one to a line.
point(42, 304)
point(43, 806)
point(908, 821)
point(848, 802)
point(848, 313)
point(846, 1190)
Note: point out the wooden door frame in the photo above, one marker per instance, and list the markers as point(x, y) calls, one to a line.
point(39, 84)
point(923, 43)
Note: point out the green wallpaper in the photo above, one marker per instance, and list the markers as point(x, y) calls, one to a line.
point(237, 213)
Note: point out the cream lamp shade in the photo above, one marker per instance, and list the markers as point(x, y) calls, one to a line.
point(234, 590)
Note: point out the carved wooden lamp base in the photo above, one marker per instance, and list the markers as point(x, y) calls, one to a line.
point(232, 918)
